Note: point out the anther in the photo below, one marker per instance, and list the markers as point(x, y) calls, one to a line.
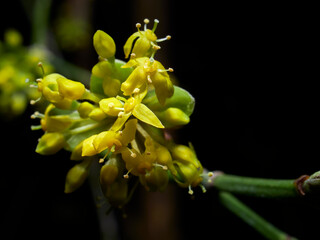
point(111, 105)
point(136, 90)
point(138, 25)
point(133, 55)
point(146, 21)
point(32, 102)
point(190, 190)
point(168, 37)
point(120, 114)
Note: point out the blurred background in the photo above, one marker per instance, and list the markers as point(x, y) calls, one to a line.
point(250, 69)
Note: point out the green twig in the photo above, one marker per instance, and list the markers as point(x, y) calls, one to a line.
point(258, 187)
point(250, 217)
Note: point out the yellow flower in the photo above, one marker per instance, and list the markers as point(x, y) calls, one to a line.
point(147, 70)
point(50, 143)
point(188, 167)
point(59, 90)
point(155, 155)
point(133, 106)
point(146, 42)
point(76, 176)
point(53, 123)
point(109, 140)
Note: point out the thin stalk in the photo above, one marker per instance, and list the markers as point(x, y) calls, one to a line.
point(265, 228)
point(257, 187)
point(40, 19)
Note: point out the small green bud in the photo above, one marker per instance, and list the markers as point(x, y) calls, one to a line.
point(172, 117)
point(76, 176)
point(97, 114)
point(104, 44)
point(156, 179)
point(109, 172)
point(50, 143)
point(117, 193)
point(85, 109)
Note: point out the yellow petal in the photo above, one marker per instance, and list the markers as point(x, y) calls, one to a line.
point(105, 140)
point(120, 121)
point(144, 114)
point(128, 45)
point(88, 148)
point(70, 89)
point(136, 79)
point(129, 132)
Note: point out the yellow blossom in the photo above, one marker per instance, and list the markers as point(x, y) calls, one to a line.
point(143, 43)
point(50, 143)
point(133, 106)
point(148, 71)
point(111, 140)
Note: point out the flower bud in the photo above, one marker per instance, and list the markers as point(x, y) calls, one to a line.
point(70, 89)
point(76, 176)
point(50, 143)
point(109, 172)
point(172, 117)
point(104, 44)
point(155, 180)
point(117, 193)
point(97, 114)
point(85, 109)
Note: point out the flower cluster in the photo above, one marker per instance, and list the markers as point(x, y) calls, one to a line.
point(18, 70)
point(121, 121)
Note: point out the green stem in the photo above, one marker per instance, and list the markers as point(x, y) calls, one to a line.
point(257, 187)
point(40, 18)
point(253, 219)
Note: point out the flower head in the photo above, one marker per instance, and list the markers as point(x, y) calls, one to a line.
point(143, 43)
point(148, 71)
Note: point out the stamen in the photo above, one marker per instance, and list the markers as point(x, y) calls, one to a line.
point(159, 165)
point(190, 190)
point(132, 154)
point(168, 37)
point(126, 176)
point(120, 114)
point(149, 79)
point(32, 102)
point(155, 24)
point(146, 21)
point(204, 190)
point(166, 70)
point(37, 115)
point(42, 69)
point(101, 160)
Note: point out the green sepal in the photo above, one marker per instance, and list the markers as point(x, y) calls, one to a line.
point(181, 99)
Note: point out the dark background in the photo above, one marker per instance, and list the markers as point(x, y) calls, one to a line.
point(250, 68)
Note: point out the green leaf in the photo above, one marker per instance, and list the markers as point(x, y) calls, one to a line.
point(181, 99)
